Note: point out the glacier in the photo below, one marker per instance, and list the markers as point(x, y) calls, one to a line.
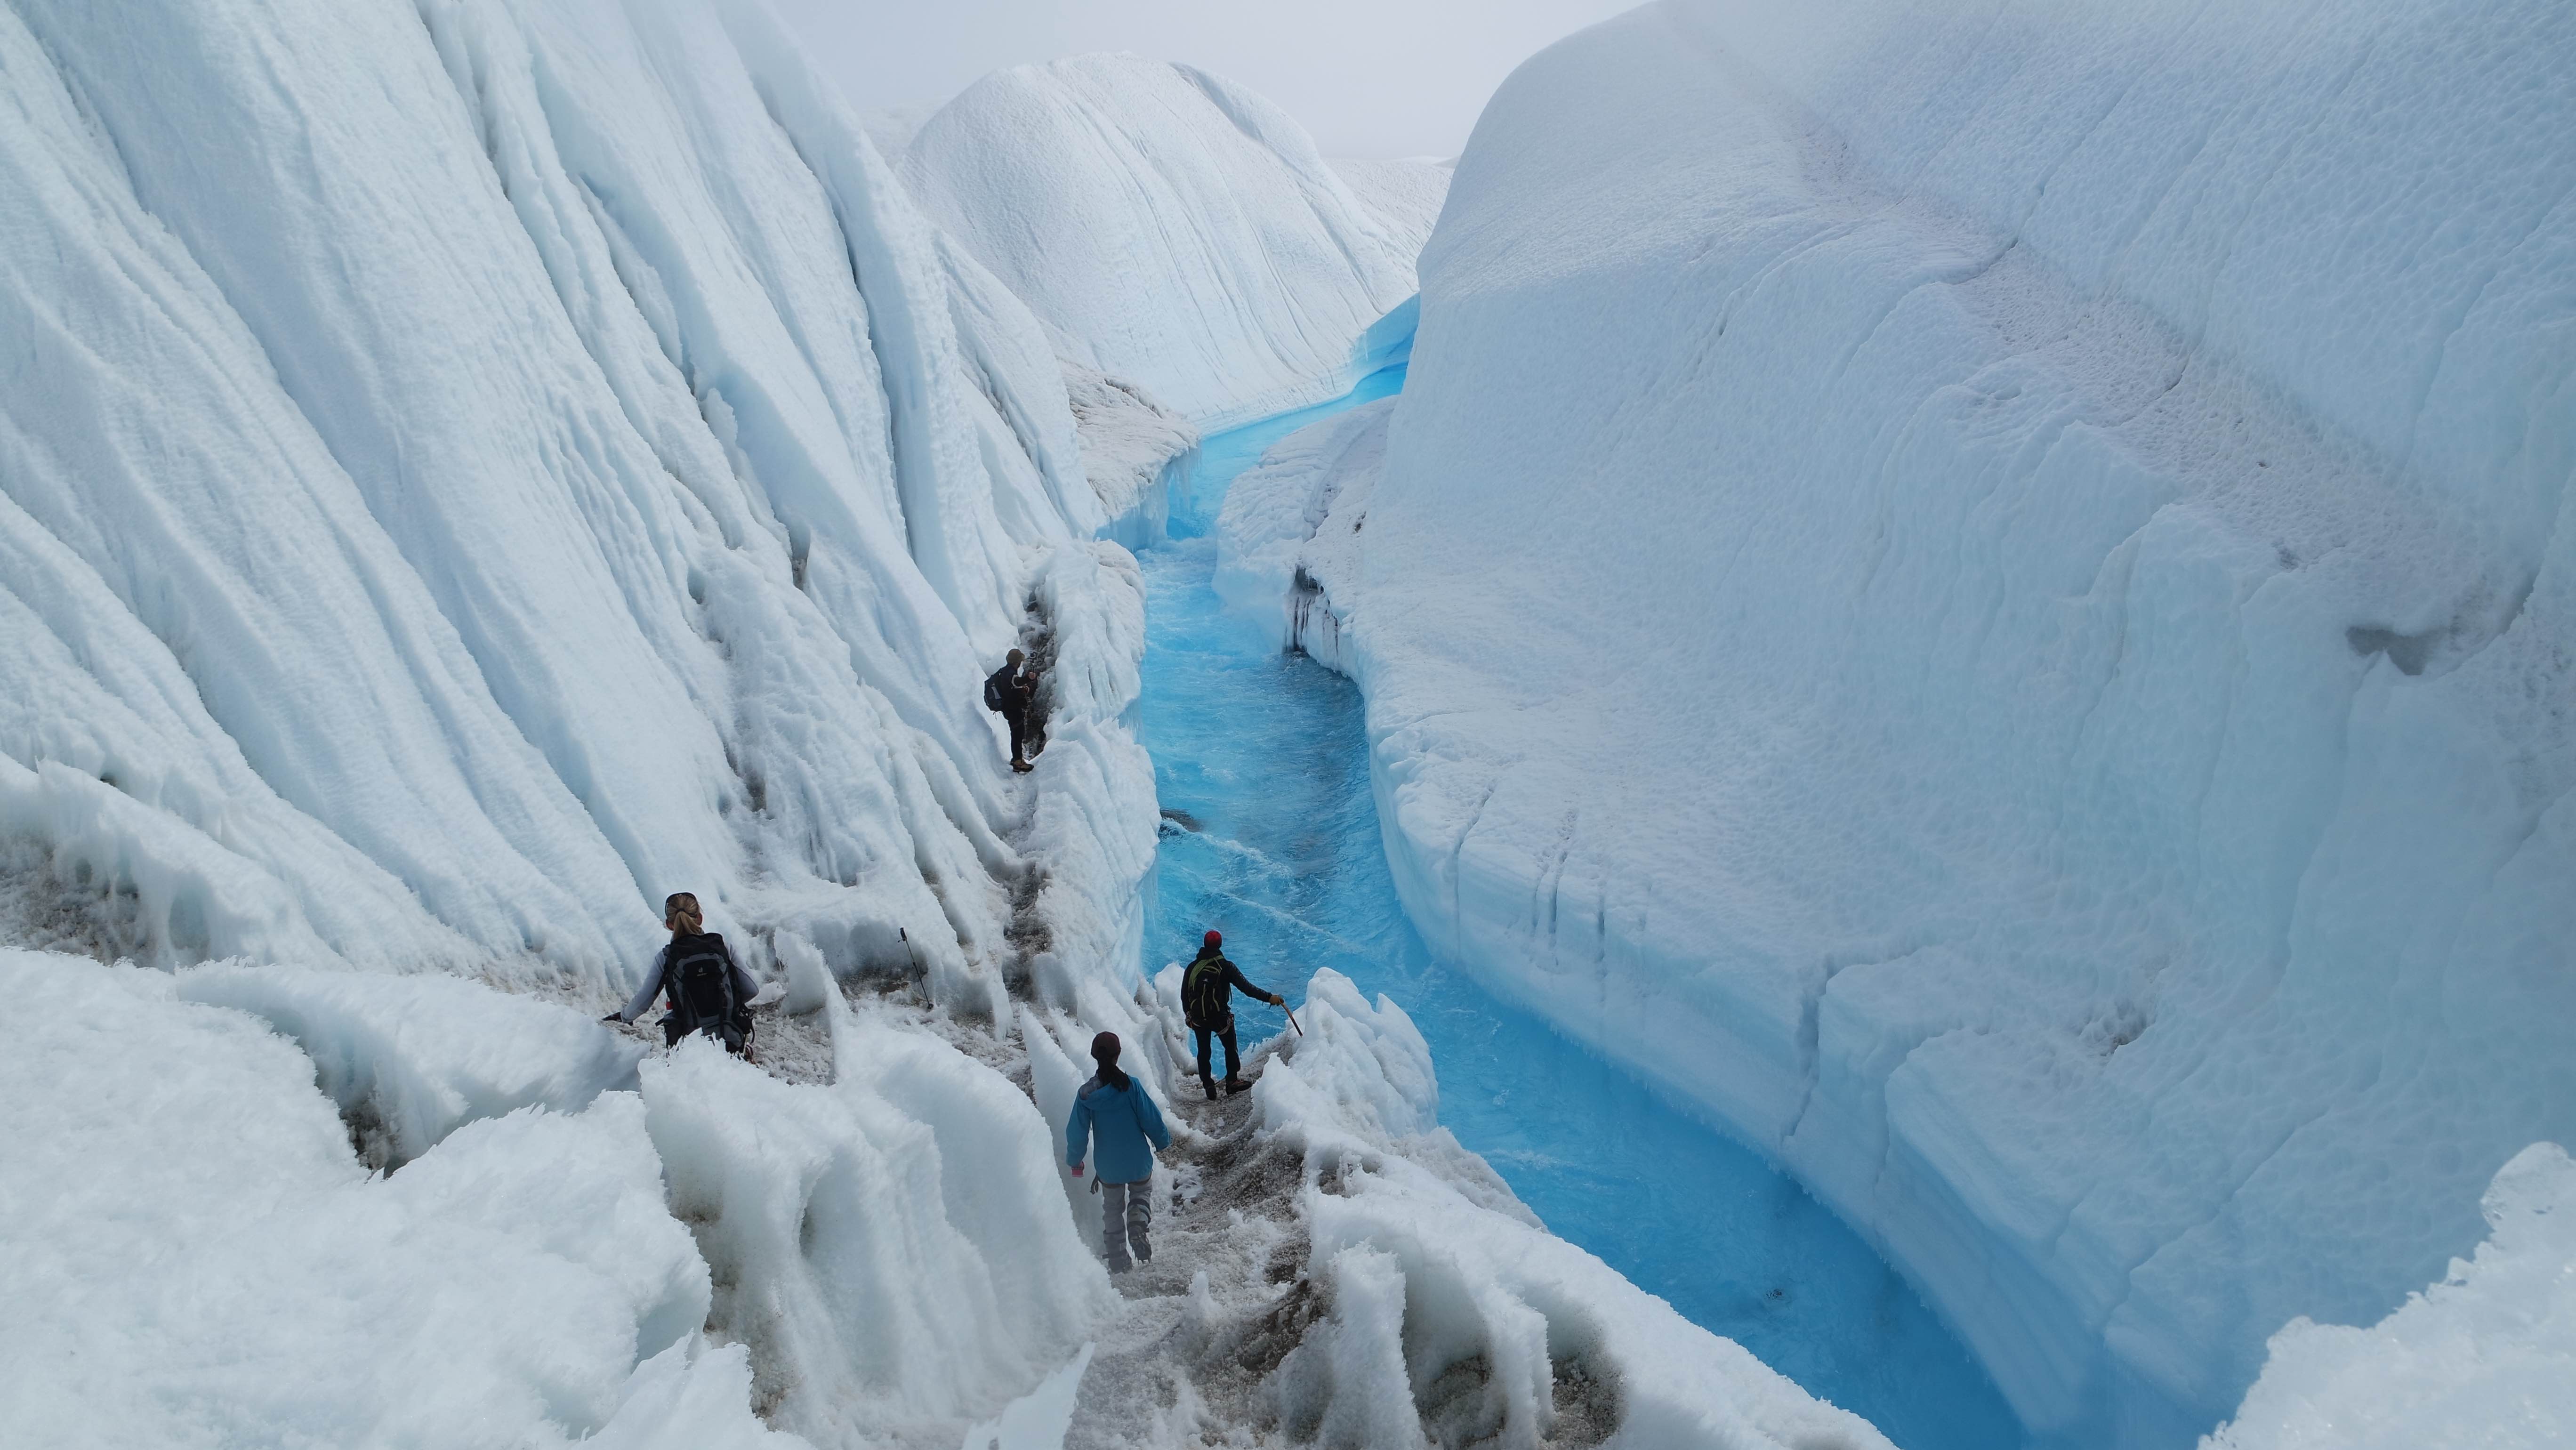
point(469, 468)
point(1983, 589)
point(1976, 591)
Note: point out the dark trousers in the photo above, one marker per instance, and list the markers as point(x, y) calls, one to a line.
point(1019, 732)
point(1225, 1035)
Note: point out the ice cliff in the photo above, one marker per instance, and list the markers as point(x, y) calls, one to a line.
point(1987, 590)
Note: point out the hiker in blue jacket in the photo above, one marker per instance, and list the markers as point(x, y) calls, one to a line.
point(1124, 1128)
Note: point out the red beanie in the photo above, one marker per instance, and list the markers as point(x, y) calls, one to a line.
point(1213, 938)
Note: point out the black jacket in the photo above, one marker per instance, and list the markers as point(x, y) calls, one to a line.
point(1212, 1006)
point(1012, 687)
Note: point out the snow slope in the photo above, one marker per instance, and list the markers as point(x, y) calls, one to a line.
point(1177, 231)
point(1986, 590)
point(471, 469)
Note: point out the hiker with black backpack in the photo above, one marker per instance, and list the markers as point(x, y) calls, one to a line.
point(1124, 1128)
point(1010, 690)
point(709, 991)
point(1207, 1004)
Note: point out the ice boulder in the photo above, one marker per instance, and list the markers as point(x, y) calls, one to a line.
point(411, 1059)
point(198, 1258)
point(892, 1247)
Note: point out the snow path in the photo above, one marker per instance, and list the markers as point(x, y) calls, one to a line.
point(1271, 834)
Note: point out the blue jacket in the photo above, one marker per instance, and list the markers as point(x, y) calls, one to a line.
point(1121, 1119)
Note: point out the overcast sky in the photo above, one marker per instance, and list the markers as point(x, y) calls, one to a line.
point(1371, 78)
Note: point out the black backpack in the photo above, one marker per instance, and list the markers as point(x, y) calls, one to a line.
point(994, 698)
point(1203, 993)
point(700, 977)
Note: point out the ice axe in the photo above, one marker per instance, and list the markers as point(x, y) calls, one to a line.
point(1292, 1016)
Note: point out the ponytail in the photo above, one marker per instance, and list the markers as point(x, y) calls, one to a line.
point(681, 914)
point(1104, 1051)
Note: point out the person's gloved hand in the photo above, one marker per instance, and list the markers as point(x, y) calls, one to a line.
point(1278, 1001)
point(1077, 1170)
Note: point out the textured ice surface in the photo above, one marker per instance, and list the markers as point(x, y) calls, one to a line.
point(198, 1258)
point(2485, 1359)
point(1984, 590)
point(473, 469)
point(1177, 231)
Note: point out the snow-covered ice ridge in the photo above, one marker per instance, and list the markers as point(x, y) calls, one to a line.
point(472, 469)
point(1987, 590)
point(1175, 230)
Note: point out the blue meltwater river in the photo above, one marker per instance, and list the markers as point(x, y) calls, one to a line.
point(1264, 754)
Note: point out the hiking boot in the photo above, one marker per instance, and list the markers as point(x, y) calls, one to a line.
point(1211, 1088)
point(1022, 766)
point(1235, 1085)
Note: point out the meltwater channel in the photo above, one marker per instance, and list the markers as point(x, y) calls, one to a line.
point(1271, 835)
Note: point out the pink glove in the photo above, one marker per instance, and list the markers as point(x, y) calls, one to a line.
point(1077, 1170)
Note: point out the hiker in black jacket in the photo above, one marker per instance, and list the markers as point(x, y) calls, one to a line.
point(1207, 1004)
point(1010, 690)
point(710, 992)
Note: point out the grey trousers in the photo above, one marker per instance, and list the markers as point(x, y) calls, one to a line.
point(1126, 1216)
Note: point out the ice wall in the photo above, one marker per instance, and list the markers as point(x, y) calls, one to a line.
point(1985, 589)
point(1179, 232)
point(468, 469)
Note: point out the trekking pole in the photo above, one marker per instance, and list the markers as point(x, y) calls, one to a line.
point(907, 950)
point(1292, 1019)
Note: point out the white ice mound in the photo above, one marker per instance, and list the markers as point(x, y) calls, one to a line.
point(2483, 1360)
point(201, 1257)
point(892, 1247)
point(471, 469)
point(1987, 593)
point(1454, 1315)
point(411, 1059)
point(1181, 232)
point(198, 1259)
